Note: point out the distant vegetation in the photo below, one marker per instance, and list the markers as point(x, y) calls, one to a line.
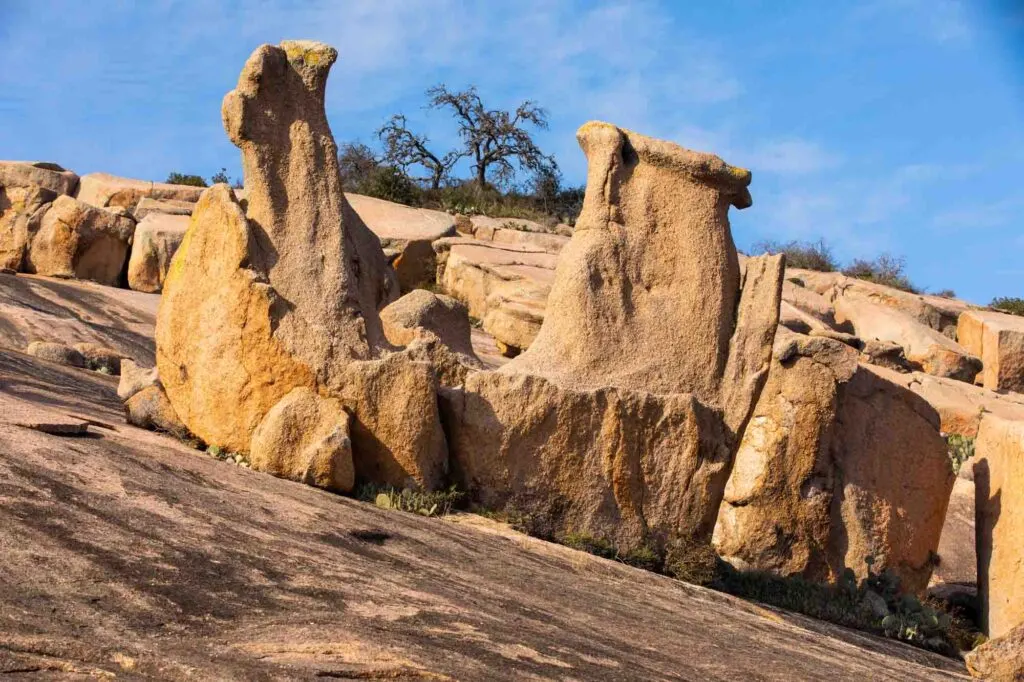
point(220, 176)
point(883, 269)
point(183, 179)
point(1011, 305)
point(509, 174)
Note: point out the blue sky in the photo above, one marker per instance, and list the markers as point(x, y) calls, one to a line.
point(882, 125)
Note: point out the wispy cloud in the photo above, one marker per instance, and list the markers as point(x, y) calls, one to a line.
point(792, 156)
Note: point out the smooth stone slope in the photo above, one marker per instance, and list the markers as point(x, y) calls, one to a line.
point(180, 566)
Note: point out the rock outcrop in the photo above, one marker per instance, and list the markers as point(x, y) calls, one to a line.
point(157, 238)
point(630, 381)
point(147, 206)
point(21, 214)
point(79, 241)
point(926, 349)
point(48, 176)
point(504, 285)
point(102, 190)
point(410, 231)
point(999, 502)
point(55, 352)
point(838, 463)
point(285, 294)
point(998, 339)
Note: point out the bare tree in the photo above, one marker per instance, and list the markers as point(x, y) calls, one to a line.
point(493, 139)
point(356, 163)
point(405, 149)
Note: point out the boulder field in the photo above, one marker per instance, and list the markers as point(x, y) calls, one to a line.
point(657, 387)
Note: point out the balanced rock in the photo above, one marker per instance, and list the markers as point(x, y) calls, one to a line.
point(284, 294)
point(79, 241)
point(998, 339)
point(305, 438)
point(157, 237)
point(999, 502)
point(620, 419)
point(837, 463)
point(102, 190)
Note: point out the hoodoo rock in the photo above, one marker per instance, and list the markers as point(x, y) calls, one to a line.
point(837, 463)
point(653, 351)
point(284, 295)
point(79, 241)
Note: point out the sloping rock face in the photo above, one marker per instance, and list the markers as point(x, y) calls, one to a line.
point(999, 488)
point(102, 190)
point(998, 339)
point(157, 238)
point(837, 463)
point(651, 430)
point(74, 312)
point(147, 206)
point(925, 348)
point(79, 241)
point(285, 294)
point(961, 406)
point(202, 570)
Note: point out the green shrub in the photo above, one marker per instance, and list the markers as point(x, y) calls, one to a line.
point(643, 557)
point(692, 562)
point(391, 184)
point(182, 179)
point(960, 448)
point(1008, 304)
point(219, 177)
point(946, 293)
point(876, 604)
point(807, 255)
point(885, 269)
point(436, 503)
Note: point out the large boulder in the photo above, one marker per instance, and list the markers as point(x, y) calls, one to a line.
point(79, 241)
point(157, 237)
point(42, 174)
point(285, 294)
point(999, 502)
point(935, 312)
point(1000, 659)
point(998, 339)
point(837, 463)
point(21, 214)
point(102, 190)
point(305, 438)
point(631, 467)
point(620, 419)
point(410, 231)
point(437, 329)
point(397, 437)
